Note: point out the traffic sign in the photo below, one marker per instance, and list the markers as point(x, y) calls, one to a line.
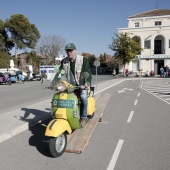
point(97, 63)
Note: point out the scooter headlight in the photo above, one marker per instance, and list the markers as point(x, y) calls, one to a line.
point(61, 86)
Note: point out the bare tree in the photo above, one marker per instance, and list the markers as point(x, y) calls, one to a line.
point(50, 46)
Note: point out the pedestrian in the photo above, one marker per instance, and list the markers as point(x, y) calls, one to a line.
point(19, 75)
point(166, 71)
point(161, 71)
point(114, 72)
point(74, 65)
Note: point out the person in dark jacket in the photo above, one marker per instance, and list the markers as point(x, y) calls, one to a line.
point(166, 71)
point(161, 71)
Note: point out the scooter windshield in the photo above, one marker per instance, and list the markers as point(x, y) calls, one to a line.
point(61, 75)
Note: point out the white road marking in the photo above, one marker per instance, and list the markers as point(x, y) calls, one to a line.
point(163, 95)
point(138, 94)
point(130, 117)
point(112, 163)
point(168, 83)
point(167, 99)
point(159, 88)
point(124, 90)
point(109, 86)
point(136, 101)
point(156, 96)
point(159, 91)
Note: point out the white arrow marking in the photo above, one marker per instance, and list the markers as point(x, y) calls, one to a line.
point(124, 90)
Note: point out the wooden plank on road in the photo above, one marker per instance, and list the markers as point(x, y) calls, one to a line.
point(78, 140)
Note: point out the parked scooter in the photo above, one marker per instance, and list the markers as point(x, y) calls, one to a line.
point(147, 74)
point(19, 76)
point(16, 78)
point(33, 77)
point(36, 76)
point(126, 72)
point(4, 78)
point(65, 110)
point(27, 77)
point(152, 73)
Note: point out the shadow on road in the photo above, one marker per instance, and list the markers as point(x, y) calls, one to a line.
point(33, 116)
point(38, 121)
point(38, 138)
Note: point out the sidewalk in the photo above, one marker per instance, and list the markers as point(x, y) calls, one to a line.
point(17, 121)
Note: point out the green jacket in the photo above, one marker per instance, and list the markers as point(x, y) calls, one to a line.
point(84, 68)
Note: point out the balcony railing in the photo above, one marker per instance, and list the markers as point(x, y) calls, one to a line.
point(159, 51)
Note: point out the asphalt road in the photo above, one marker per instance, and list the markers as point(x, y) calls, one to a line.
point(20, 95)
point(133, 135)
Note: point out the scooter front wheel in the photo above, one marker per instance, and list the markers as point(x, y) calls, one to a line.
point(58, 145)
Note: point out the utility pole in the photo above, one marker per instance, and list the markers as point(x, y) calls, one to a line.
point(97, 64)
point(156, 4)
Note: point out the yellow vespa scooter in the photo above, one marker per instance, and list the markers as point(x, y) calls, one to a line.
point(65, 110)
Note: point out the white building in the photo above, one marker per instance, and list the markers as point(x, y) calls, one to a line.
point(153, 27)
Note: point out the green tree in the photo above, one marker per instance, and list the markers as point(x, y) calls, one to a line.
point(33, 60)
point(125, 48)
point(138, 40)
point(5, 43)
point(103, 62)
point(22, 32)
point(5, 60)
point(2, 38)
point(91, 58)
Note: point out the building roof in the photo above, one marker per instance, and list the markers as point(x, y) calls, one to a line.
point(155, 12)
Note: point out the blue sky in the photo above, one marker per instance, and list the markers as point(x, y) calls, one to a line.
point(89, 24)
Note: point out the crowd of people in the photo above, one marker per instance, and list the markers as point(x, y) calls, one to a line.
point(164, 71)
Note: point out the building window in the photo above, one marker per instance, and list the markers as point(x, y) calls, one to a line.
point(147, 44)
point(136, 24)
point(158, 23)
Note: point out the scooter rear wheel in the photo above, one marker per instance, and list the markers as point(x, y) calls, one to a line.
point(58, 145)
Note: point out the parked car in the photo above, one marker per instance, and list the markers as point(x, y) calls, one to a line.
point(109, 70)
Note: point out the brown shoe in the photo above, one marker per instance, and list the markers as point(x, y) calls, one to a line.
point(82, 122)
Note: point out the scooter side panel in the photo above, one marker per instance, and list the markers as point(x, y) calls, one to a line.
point(59, 112)
point(73, 114)
point(91, 106)
point(70, 114)
point(54, 108)
point(56, 127)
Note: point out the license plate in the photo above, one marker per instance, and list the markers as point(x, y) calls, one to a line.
point(63, 103)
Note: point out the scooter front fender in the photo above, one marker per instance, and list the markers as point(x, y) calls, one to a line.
point(56, 127)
